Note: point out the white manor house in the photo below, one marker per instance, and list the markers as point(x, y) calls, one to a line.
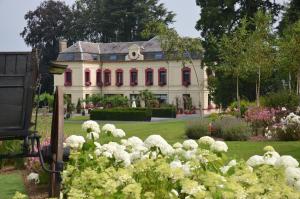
point(126, 68)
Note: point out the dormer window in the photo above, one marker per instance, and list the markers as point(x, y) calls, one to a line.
point(113, 57)
point(158, 55)
point(119, 77)
point(133, 77)
point(107, 77)
point(87, 77)
point(68, 77)
point(149, 77)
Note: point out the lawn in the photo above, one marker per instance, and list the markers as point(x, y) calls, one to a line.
point(10, 183)
point(173, 131)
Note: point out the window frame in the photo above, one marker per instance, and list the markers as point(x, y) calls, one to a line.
point(107, 83)
point(68, 83)
point(122, 77)
point(184, 82)
point(147, 81)
point(87, 81)
point(99, 82)
point(133, 70)
point(160, 83)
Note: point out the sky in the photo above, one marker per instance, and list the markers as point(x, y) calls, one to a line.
point(12, 20)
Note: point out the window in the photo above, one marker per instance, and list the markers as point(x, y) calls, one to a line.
point(162, 76)
point(113, 57)
point(107, 77)
point(186, 76)
point(133, 77)
point(87, 77)
point(99, 78)
point(149, 77)
point(158, 55)
point(162, 98)
point(68, 77)
point(119, 77)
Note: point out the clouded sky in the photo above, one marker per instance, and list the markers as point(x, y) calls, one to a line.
point(12, 20)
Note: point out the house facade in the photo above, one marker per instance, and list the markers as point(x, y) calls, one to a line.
point(126, 68)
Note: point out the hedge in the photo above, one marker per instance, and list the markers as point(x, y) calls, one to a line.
point(168, 112)
point(121, 114)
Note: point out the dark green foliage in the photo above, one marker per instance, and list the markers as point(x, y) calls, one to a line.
point(245, 104)
point(291, 15)
point(121, 114)
point(78, 106)
point(231, 129)
point(197, 129)
point(291, 133)
point(11, 146)
point(283, 98)
point(167, 112)
point(113, 101)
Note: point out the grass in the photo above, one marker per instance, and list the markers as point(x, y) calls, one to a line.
point(10, 183)
point(173, 131)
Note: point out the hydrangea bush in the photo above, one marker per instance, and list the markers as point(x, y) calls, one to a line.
point(153, 168)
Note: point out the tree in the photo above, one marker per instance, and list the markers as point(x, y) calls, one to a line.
point(260, 52)
point(233, 49)
point(117, 20)
point(45, 26)
point(290, 16)
point(288, 54)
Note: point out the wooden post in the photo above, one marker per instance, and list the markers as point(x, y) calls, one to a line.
point(57, 134)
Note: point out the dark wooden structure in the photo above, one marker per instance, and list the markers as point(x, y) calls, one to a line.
point(18, 83)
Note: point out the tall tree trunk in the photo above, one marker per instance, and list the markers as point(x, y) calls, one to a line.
point(290, 79)
point(258, 88)
point(238, 97)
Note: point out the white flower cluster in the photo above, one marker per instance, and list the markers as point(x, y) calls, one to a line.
point(91, 126)
point(33, 177)
point(224, 169)
point(206, 141)
point(75, 142)
point(190, 144)
point(108, 128)
point(290, 164)
point(112, 130)
point(292, 118)
point(156, 141)
point(219, 146)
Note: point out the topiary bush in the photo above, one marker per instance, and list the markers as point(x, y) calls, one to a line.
point(197, 129)
point(231, 128)
point(244, 106)
point(284, 98)
point(121, 114)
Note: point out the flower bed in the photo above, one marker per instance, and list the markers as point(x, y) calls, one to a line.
point(133, 168)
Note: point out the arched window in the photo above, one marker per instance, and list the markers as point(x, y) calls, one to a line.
point(87, 77)
point(119, 77)
point(186, 76)
point(107, 77)
point(99, 78)
point(162, 76)
point(68, 77)
point(133, 77)
point(149, 77)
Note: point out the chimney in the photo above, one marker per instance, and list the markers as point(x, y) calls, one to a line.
point(63, 45)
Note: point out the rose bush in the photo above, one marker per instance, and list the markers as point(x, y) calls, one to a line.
point(133, 168)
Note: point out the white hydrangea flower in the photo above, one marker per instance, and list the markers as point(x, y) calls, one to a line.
point(286, 161)
point(271, 157)
point(297, 185)
point(135, 141)
point(190, 154)
point(186, 169)
point(177, 145)
point(97, 144)
point(98, 152)
point(224, 169)
point(219, 146)
point(158, 142)
point(92, 135)
point(91, 126)
point(33, 177)
point(190, 144)
point(174, 192)
point(118, 133)
point(232, 163)
point(292, 175)
point(75, 141)
point(175, 164)
point(122, 156)
point(108, 128)
point(255, 160)
point(206, 141)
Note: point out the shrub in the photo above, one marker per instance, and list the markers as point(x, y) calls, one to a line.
point(197, 129)
point(167, 112)
point(284, 98)
point(231, 128)
point(121, 114)
point(289, 129)
point(244, 106)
